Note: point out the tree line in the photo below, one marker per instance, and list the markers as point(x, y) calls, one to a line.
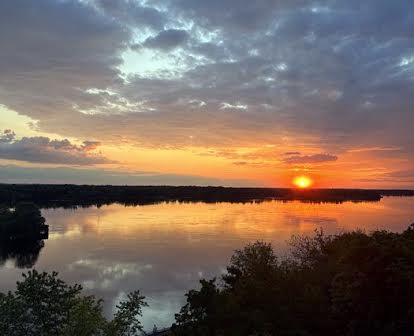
point(88, 195)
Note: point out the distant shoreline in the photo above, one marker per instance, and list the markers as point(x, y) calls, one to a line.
point(67, 195)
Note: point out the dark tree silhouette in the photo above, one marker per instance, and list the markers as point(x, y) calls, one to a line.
point(25, 222)
point(347, 284)
point(45, 305)
point(22, 231)
point(87, 195)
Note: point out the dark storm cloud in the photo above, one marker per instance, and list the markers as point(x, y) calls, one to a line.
point(45, 150)
point(338, 72)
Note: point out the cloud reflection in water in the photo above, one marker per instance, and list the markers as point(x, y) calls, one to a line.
point(164, 249)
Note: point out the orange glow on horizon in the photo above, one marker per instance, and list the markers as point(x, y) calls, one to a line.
point(302, 182)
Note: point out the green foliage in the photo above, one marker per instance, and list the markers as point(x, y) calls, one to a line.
point(45, 305)
point(85, 318)
point(348, 284)
point(126, 320)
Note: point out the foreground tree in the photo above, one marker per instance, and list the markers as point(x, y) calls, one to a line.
point(45, 305)
point(348, 284)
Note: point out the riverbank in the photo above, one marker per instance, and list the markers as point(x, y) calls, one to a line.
point(45, 195)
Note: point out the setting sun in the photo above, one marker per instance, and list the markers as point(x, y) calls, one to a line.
point(302, 182)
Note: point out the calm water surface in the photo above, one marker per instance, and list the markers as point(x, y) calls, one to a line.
point(164, 249)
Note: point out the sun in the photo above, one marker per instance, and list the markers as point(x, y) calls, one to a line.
point(302, 182)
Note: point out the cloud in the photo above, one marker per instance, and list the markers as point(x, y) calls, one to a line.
point(63, 175)
point(45, 150)
point(232, 15)
point(90, 145)
point(132, 13)
point(253, 164)
point(53, 52)
point(335, 75)
point(225, 106)
point(167, 39)
point(7, 136)
point(375, 149)
point(402, 179)
point(400, 175)
point(314, 158)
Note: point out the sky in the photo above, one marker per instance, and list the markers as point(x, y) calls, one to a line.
point(218, 92)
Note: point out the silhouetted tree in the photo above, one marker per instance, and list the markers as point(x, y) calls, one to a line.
point(22, 231)
point(347, 284)
point(25, 222)
point(125, 321)
point(45, 305)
